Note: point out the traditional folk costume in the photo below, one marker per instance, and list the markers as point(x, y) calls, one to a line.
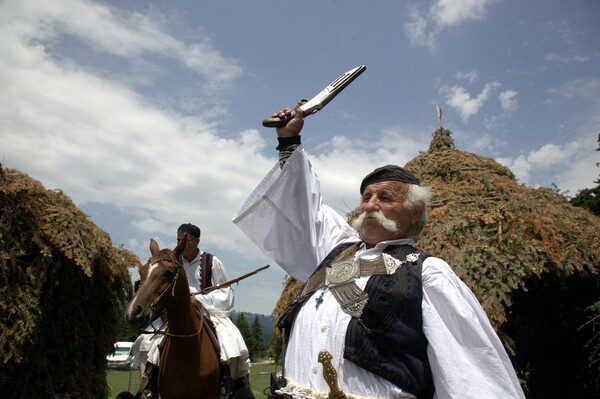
point(395, 321)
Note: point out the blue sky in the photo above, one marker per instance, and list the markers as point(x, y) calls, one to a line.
point(148, 113)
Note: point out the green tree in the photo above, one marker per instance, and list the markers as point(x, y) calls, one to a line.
point(242, 325)
point(257, 335)
point(246, 332)
point(126, 331)
point(588, 198)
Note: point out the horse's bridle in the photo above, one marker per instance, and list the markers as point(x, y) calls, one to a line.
point(171, 285)
point(155, 305)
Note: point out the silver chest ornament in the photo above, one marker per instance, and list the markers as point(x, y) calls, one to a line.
point(341, 275)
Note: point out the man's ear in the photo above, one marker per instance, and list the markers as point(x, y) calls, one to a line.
point(416, 212)
point(181, 246)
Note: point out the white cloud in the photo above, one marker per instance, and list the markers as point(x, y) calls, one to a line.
point(562, 30)
point(130, 36)
point(343, 162)
point(519, 165)
point(468, 76)
point(553, 163)
point(579, 88)
point(418, 30)
point(99, 140)
point(508, 100)
point(423, 28)
point(461, 101)
point(551, 155)
point(447, 13)
point(482, 142)
point(559, 59)
point(493, 122)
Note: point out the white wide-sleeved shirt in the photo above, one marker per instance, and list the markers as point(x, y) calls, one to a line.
point(286, 218)
point(219, 304)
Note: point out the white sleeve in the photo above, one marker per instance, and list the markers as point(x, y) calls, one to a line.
point(467, 358)
point(286, 218)
point(135, 351)
point(221, 301)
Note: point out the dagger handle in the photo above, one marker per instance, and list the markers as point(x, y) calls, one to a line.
point(330, 375)
point(277, 122)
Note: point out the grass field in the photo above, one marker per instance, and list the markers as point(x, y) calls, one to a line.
point(124, 380)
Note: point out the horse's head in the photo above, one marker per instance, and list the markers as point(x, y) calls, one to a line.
point(158, 278)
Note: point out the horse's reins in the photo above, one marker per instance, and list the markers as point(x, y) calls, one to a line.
point(154, 304)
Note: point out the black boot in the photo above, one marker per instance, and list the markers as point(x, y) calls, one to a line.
point(242, 388)
point(149, 383)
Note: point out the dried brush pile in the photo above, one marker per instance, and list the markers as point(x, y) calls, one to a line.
point(530, 257)
point(63, 287)
point(497, 233)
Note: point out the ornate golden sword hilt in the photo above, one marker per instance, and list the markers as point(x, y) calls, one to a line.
point(330, 376)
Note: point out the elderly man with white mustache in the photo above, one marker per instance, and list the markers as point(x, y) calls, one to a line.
point(377, 318)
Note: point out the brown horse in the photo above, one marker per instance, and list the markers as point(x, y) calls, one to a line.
point(189, 359)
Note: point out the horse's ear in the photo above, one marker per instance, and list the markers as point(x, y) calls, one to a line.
point(154, 247)
point(180, 246)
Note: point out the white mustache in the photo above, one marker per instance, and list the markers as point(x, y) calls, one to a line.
point(386, 223)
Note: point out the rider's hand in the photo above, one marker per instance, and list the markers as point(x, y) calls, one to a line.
point(294, 125)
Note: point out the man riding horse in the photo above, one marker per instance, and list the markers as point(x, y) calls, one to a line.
point(204, 270)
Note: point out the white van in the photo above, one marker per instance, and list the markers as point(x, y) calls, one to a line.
point(122, 357)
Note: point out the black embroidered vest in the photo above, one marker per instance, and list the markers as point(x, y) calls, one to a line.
point(388, 340)
point(206, 270)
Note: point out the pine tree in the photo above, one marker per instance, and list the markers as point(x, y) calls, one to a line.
point(257, 334)
point(243, 326)
point(588, 198)
point(246, 332)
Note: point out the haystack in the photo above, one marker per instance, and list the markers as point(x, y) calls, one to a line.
point(63, 288)
point(529, 256)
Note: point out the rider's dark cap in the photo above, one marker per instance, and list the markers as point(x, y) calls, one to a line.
point(389, 173)
point(190, 229)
